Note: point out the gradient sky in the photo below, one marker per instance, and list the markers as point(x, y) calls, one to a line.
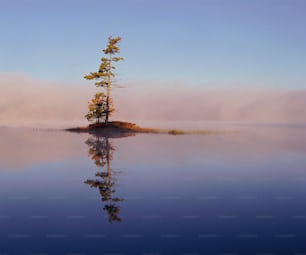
point(201, 42)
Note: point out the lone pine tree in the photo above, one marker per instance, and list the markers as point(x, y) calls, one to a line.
point(100, 107)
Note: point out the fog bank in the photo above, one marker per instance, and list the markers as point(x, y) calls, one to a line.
point(24, 99)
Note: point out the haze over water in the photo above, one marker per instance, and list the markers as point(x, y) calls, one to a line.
point(240, 193)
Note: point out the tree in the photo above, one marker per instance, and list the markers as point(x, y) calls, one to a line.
point(100, 108)
point(97, 108)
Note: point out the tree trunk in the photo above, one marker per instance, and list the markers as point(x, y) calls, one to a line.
point(108, 88)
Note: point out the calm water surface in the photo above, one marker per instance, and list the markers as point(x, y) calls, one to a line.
point(66, 193)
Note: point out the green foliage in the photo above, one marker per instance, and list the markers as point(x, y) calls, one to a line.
point(98, 109)
point(104, 78)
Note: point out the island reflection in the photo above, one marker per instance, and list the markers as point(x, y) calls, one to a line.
point(101, 151)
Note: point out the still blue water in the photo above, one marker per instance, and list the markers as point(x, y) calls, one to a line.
point(237, 193)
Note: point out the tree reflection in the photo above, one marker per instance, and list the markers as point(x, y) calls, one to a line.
point(101, 152)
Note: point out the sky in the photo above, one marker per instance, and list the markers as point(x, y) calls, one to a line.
point(224, 60)
point(214, 43)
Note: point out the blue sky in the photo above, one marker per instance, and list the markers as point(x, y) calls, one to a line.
point(199, 42)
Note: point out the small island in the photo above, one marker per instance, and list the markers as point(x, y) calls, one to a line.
point(114, 126)
point(121, 129)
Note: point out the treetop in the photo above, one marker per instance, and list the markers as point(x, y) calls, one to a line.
point(112, 47)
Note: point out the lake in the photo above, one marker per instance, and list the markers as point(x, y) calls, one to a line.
point(235, 193)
